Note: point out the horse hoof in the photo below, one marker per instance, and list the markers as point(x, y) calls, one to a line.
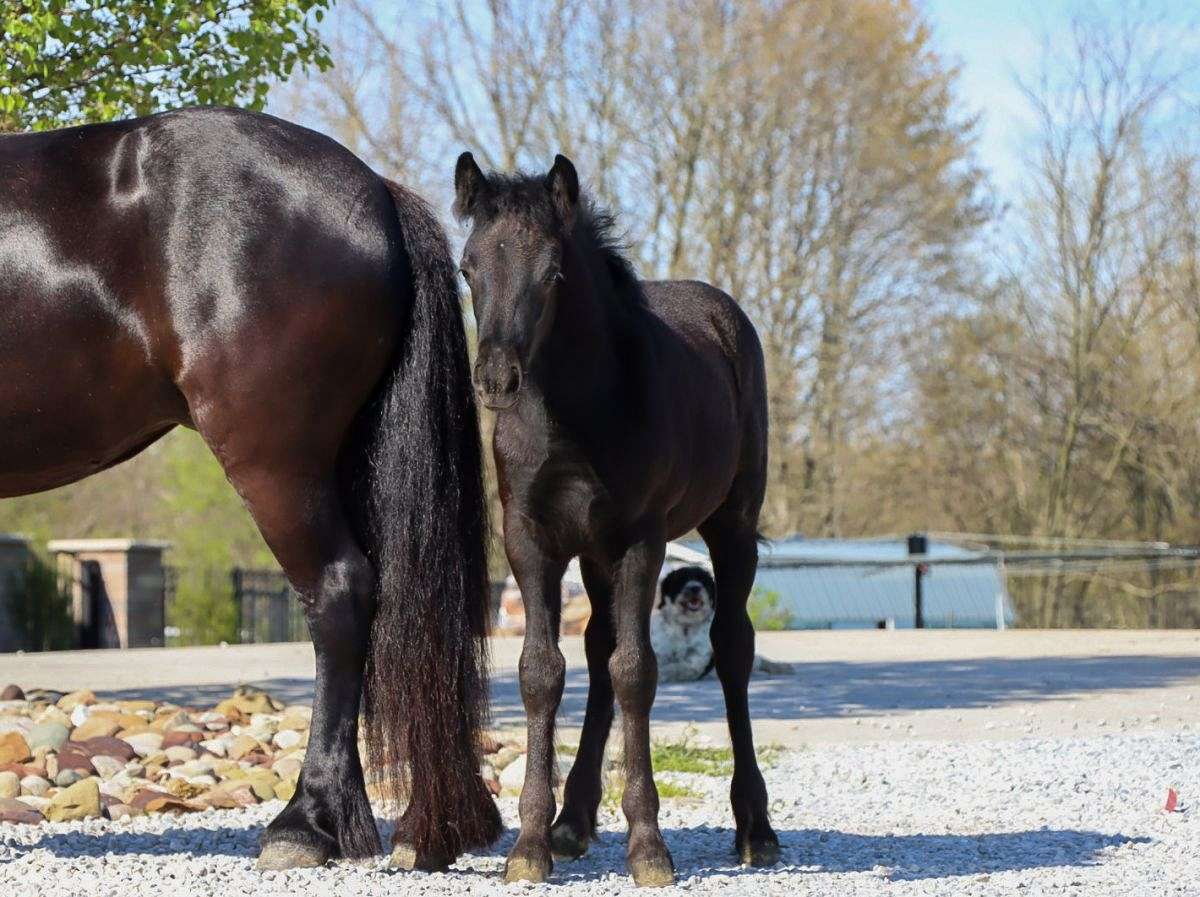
point(525, 869)
point(404, 856)
point(760, 853)
point(566, 844)
point(655, 872)
point(280, 855)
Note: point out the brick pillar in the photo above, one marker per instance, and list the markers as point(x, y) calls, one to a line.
point(117, 588)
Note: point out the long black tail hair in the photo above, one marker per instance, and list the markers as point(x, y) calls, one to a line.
point(424, 527)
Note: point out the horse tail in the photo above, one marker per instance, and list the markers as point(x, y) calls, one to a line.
point(424, 524)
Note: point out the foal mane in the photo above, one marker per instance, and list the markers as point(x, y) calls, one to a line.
point(596, 230)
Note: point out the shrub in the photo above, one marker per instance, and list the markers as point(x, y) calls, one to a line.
point(766, 613)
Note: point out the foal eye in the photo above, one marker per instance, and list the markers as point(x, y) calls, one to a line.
point(554, 277)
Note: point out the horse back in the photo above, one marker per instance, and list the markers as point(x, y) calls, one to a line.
point(163, 262)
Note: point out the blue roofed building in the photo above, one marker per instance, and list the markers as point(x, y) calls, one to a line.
point(869, 583)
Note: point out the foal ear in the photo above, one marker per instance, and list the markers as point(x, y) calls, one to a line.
point(468, 186)
point(563, 184)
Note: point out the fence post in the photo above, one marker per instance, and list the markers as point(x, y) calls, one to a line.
point(918, 544)
point(239, 603)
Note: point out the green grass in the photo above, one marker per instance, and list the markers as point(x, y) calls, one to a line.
point(668, 790)
point(682, 756)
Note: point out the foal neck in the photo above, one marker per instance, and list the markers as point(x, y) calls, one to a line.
point(590, 340)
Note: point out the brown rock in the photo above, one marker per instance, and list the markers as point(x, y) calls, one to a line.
point(14, 748)
point(181, 738)
point(71, 700)
point(168, 804)
point(15, 811)
point(140, 798)
point(95, 727)
point(71, 756)
point(12, 693)
point(141, 729)
point(108, 746)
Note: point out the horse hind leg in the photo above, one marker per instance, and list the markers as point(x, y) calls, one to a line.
point(733, 547)
point(301, 517)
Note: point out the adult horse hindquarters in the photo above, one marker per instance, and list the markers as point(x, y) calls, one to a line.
point(231, 272)
point(629, 414)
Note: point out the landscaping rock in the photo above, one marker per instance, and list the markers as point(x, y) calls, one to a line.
point(286, 739)
point(108, 746)
point(145, 744)
point(100, 726)
point(72, 757)
point(179, 754)
point(71, 700)
point(18, 812)
point(14, 748)
point(12, 693)
point(67, 777)
point(107, 767)
point(188, 737)
point(241, 746)
point(34, 786)
point(49, 734)
point(10, 784)
point(79, 801)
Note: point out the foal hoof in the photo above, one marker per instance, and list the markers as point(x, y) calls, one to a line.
point(280, 855)
point(524, 868)
point(404, 856)
point(566, 843)
point(656, 872)
point(760, 852)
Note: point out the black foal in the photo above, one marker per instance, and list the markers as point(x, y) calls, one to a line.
point(629, 413)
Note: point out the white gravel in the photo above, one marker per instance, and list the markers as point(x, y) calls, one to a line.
point(1034, 816)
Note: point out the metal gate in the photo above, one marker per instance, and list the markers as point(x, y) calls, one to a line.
point(268, 608)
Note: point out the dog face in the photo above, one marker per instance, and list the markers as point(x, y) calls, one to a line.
point(686, 596)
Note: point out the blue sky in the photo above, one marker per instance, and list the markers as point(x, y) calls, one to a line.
point(994, 40)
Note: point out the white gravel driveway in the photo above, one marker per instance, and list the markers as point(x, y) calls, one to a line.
point(917, 763)
point(1028, 816)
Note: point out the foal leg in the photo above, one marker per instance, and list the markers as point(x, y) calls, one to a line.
point(302, 519)
point(576, 823)
point(734, 552)
point(542, 671)
point(634, 673)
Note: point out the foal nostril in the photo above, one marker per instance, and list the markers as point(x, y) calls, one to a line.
point(513, 383)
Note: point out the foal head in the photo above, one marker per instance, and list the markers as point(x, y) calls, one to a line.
point(513, 263)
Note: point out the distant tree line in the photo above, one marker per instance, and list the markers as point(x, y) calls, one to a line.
point(938, 359)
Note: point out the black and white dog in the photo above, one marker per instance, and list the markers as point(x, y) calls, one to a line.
point(679, 628)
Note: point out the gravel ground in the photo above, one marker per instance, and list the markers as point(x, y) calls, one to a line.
point(1029, 816)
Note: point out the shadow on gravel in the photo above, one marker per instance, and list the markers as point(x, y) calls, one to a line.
point(833, 689)
point(295, 690)
point(235, 842)
point(704, 852)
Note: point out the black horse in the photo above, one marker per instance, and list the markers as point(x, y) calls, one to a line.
point(629, 413)
point(252, 279)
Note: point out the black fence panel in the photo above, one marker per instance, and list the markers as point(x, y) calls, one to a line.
point(269, 609)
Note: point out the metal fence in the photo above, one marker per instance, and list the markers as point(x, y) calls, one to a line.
point(953, 580)
point(269, 609)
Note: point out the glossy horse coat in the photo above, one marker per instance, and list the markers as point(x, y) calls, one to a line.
point(629, 413)
point(231, 272)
